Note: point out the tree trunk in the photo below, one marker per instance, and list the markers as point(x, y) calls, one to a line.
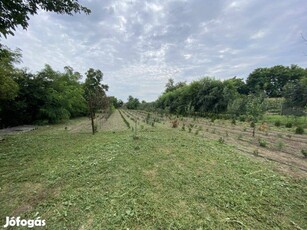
point(92, 114)
point(92, 120)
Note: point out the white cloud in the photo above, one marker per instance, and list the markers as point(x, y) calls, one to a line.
point(258, 35)
point(140, 44)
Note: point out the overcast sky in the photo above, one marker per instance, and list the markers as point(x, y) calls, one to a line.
point(138, 45)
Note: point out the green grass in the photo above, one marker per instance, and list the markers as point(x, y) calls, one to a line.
point(167, 179)
point(296, 121)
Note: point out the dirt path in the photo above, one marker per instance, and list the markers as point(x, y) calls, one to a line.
point(17, 129)
point(114, 123)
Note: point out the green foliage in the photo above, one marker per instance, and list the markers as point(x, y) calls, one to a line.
point(255, 107)
point(133, 103)
point(262, 142)
point(288, 125)
point(304, 152)
point(8, 86)
point(299, 130)
point(46, 97)
point(280, 145)
point(272, 80)
point(277, 123)
point(17, 13)
point(295, 93)
point(117, 103)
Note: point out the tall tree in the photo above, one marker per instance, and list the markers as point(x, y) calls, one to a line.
point(272, 80)
point(295, 94)
point(133, 103)
point(16, 13)
point(8, 86)
point(94, 93)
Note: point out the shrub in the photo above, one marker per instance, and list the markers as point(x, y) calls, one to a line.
point(233, 121)
point(304, 152)
point(289, 125)
point(183, 127)
point(256, 152)
point(221, 140)
point(299, 130)
point(277, 123)
point(252, 124)
point(242, 118)
point(279, 145)
point(262, 143)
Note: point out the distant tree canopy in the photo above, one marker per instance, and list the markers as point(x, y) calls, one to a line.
point(16, 13)
point(171, 86)
point(116, 103)
point(133, 103)
point(204, 96)
point(295, 94)
point(272, 80)
point(233, 96)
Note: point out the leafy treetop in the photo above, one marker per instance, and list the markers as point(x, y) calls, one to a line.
point(14, 13)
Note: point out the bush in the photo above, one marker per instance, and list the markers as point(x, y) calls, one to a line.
point(299, 130)
point(221, 140)
point(256, 152)
point(277, 123)
point(252, 124)
point(262, 143)
point(279, 145)
point(233, 121)
point(304, 152)
point(289, 125)
point(242, 118)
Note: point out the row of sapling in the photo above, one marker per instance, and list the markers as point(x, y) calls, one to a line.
point(125, 120)
point(253, 107)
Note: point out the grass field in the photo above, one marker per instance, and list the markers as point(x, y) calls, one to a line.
point(165, 179)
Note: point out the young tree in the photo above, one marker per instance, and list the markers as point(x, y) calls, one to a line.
point(255, 108)
point(94, 93)
point(14, 13)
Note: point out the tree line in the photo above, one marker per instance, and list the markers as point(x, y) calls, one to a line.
point(235, 97)
point(47, 96)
